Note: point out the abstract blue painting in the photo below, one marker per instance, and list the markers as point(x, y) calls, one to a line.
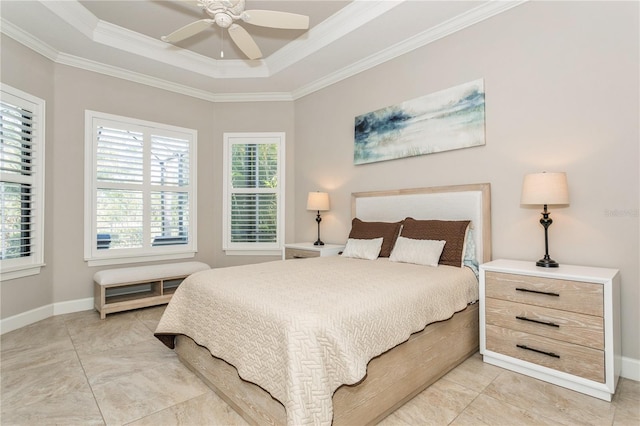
point(450, 119)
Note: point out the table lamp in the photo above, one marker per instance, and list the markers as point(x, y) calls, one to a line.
point(545, 188)
point(318, 201)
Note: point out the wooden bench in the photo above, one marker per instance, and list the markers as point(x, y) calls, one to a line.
point(122, 289)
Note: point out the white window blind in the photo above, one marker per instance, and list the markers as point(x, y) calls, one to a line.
point(119, 178)
point(21, 183)
point(144, 186)
point(169, 201)
point(254, 196)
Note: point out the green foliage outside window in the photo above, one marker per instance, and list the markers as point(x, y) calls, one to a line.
point(254, 203)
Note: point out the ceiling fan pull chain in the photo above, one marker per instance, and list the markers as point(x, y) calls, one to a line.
point(224, 13)
point(221, 44)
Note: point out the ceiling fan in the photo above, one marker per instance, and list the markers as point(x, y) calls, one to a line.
point(224, 13)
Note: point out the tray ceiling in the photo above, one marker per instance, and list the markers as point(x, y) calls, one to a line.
point(122, 38)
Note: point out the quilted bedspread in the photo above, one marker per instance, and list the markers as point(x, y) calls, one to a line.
point(302, 328)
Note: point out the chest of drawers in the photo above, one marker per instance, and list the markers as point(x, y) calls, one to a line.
point(560, 325)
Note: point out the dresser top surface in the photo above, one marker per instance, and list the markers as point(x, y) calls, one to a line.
point(311, 246)
point(569, 272)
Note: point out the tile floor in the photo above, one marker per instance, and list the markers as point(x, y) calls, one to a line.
point(78, 370)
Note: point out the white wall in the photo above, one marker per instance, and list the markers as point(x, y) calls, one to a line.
point(561, 85)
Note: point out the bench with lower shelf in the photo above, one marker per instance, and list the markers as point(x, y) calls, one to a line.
point(123, 289)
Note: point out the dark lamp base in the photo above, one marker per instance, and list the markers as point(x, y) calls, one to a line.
point(318, 241)
point(547, 263)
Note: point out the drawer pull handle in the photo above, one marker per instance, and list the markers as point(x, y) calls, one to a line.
point(550, 324)
point(295, 256)
point(551, 354)
point(547, 293)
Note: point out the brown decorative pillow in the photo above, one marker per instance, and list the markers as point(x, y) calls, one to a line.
point(453, 232)
point(369, 230)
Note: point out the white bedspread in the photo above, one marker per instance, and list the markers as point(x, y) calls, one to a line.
point(302, 328)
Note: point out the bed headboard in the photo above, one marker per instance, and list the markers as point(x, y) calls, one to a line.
point(458, 202)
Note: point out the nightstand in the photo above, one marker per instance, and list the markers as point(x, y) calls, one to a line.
point(305, 250)
point(560, 325)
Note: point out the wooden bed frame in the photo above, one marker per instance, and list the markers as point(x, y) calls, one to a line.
point(402, 372)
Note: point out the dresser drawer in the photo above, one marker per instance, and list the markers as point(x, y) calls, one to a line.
point(573, 296)
point(573, 359)
point(571, 327)
point(292, 253)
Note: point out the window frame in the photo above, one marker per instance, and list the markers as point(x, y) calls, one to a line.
point(29, 265)
point(253, 248)
point(96, 257)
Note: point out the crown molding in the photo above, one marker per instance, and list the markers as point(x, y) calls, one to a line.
point(346, 20)
point(351, 17)
point(100, 68)
point(53, 55)
point(460, 22)
point(138, 44)
point(114, 36)
point(254, 97)
point(26, 39)
point(109, 33)
point(74, 14)
point(121, 73)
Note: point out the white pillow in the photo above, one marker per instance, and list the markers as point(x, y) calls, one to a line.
point(420, 252)
point(363, 249)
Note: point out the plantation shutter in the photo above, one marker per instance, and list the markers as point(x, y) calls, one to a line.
point(142, 190)
point(119, 195)
point(253, 193)
point(18, 184)
point(170, 174)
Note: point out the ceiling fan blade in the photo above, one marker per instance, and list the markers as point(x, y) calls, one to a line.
point(275, 19)
point(187, 31)
point(244, 41)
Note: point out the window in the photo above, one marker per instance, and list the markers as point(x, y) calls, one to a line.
point(253, 205)
point(140, 190)
point(21, 183)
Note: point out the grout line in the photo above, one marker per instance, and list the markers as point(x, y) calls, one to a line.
point(85, 373)
point(622, 402)
point(166, 408)
point(481, 392)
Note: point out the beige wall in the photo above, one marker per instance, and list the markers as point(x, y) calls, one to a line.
point(32, 292)
point(75, 91)
point(69, 92)
point(252, 117)
point(561, 83)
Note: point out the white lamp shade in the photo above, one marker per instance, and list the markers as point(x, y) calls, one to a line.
point(318, 201)
point(545, 188)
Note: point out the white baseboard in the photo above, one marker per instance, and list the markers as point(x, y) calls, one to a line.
point(38, 314)
point(70, 306)
point(25, 318)
point(630, 368)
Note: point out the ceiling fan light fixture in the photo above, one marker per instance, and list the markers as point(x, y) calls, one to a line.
point(232, 8)
point(224, 13)
point(223, 20)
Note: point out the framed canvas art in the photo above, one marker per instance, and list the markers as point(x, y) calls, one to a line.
point(450, 119)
